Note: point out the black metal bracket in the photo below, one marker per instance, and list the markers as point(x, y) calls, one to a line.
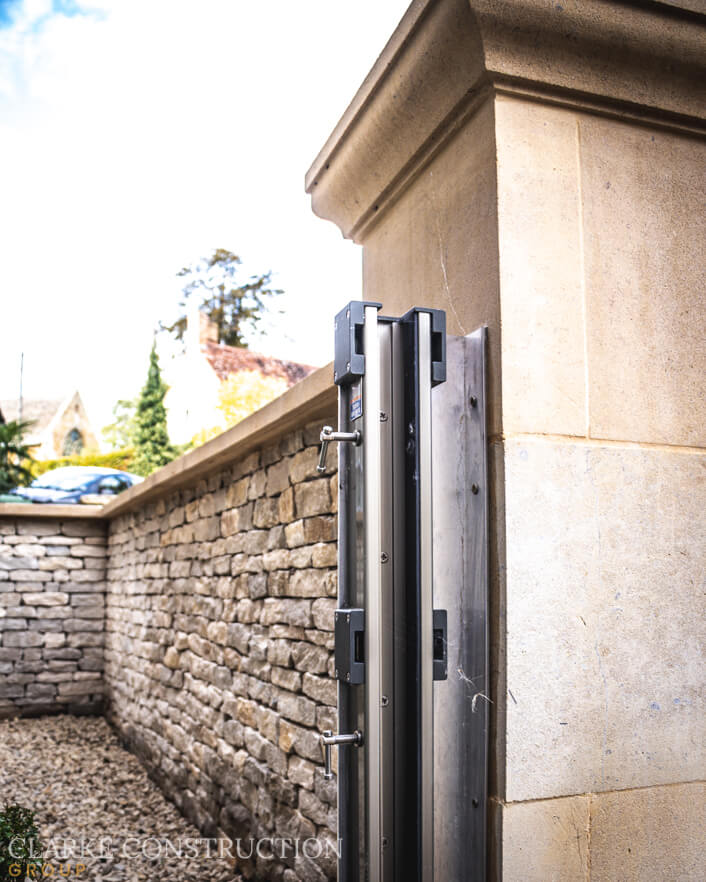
point(349, 654)
point(438, 341)
point(441, 645)
point(349, 358)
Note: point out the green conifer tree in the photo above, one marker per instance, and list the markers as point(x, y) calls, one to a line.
point(152, 447)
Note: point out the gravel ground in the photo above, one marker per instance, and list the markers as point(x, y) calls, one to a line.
point(74, 774)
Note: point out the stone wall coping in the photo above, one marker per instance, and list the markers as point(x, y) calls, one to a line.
point(313, 397)
point(65, 512)
point(638, 61)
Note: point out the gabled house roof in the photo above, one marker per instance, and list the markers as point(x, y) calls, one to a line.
point(40, 412)
point(227, 360)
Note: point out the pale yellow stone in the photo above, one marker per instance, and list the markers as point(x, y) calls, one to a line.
point(603, 617)
point(644, 192)
point(439, 245)
point(651, 835)
point(546, 841)
point(540, 241)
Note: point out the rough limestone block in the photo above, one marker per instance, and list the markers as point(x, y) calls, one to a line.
point(292, 612)
point(48, 598)
point(22, 639)
point(15, 562)
point(301, 772)
point(324, 554)
point(312, 498)
point(322, 689)
point(29, 576)
point(87, 550)
point(58, 562)
point(277, 478)
point(296, 708)
point(312, 659)
point(286, 679)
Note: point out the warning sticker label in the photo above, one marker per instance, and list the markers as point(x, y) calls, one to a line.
point(356, 400)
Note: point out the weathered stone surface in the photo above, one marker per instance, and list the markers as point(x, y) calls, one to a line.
point(297, 708)
point(311, 583)
point(301, 772)
point(649, 834)
point(291, 612)
point(197, 618)
point(312, 659)
point(322, 689)
point(312, 498)
point(535, 837)
point(277, 477)
point(579, 586)
point(47, 598)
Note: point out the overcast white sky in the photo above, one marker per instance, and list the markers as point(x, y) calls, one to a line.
point(138, 135)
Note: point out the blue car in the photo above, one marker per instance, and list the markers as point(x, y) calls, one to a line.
point(67, 485)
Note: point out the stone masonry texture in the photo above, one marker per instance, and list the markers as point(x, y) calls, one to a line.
point(219, 650)
point(52, 615)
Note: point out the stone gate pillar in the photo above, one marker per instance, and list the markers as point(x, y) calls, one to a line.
point(539, 167)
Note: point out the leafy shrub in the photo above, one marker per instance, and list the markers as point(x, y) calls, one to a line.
point(15, 455)
point(19, 843)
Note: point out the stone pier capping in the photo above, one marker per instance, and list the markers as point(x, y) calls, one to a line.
point(641, 60)
point(538, 167)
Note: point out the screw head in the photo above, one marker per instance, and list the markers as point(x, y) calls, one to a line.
point(384, 557)
point(474, 401)
point(383, 416)
point(384, 700)
point(348, 678)
point(474, 489)
point(348, 365)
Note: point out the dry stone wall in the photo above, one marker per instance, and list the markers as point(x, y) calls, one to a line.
point(219, 651)
point(52, 594)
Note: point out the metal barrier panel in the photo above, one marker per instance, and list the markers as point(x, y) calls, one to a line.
point(410, 629)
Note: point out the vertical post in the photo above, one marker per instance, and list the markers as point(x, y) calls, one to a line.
point(425, 599)
point(349, 857)
point(373, 610)
point(460, 564)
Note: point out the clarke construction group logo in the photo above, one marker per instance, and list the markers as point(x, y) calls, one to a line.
point(23, 855)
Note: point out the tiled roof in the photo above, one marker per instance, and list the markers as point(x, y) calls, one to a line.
point(38, 411)
point(227, 360)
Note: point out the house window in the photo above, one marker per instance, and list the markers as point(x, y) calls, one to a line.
point(73, 443)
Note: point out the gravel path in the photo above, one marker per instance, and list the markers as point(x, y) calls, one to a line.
point(74, 774)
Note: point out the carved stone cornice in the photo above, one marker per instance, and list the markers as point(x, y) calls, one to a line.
point(640, 60)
